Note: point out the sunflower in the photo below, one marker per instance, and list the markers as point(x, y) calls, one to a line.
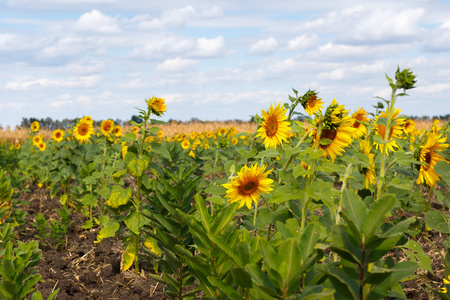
point(435, 128)
point(156, 105)
point(34, 126)
point(88, 119)
point(37, 139)
point(360, 117)
point(410, 127)
point(17, 146)
point(428, 155)
point(107, 127)
point(58, 135)
point(192, 154)
point(369, 172)
point(395, 132)
point(337, 132)
point(274, 129)
point(311, 103)
point(247, 186)
point(160, 134)
point(118, 131)
point(185, 144)
point(42, 146)
point(234, 141)
point(135, 129)
point(83, 130)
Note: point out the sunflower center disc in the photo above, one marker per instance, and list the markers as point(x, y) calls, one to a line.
point(271, 127)
point(249, 188)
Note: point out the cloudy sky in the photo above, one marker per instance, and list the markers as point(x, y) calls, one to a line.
point(216, 60)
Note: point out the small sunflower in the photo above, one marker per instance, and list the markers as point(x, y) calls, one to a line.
point(118, 131)
point(34, 126)
point(160, 134)
point(395, 132)
point(83, 131)
point(37, 139)
point(234, 141)
point(88, 119)
point(107, 127)
point(360, 117)
point(42, 146)
point(274, 129)
point(185, 144)
point(135, 129)
point(17, 146)
point(410, 127)
point(429, 155)
point(369, 172)
point(311, 103)
point(247, 186)
point(156, 105)
point(58, 135)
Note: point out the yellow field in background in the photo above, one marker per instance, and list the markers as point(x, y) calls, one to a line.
point(18, 135)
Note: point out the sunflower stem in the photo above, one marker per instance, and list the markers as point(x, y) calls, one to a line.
point(344, 184)
point(254, 218)
point(381, 178)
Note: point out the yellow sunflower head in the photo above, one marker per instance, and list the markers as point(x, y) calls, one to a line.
point(274, 129)
point(58, 135)
point(17, 146)
point(248, 185)
point(396, 131)
point(360, 117)
point(42, 145)
point(135, 129)
point(37, 139)
point(156, 105)
point(34, 126)
point(107, 127)
point(427, 154)
point(337, 132)
point(88, 119)
point(311, 103)
point(185, 144)
point(83, 130)
point(118, 131)
point(160, 134)
point(369, 172)
point(410, 127)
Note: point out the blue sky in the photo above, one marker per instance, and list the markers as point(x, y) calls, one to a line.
point(216, 60)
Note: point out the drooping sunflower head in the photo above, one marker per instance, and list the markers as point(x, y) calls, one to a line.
point(34, 126)
point(248, 185)
point(156, 105)
point(396, 131)
point(337, 132)
point(427, 154)
point(274, 129)
point(118, 131)
point(107, 127)
point(360, 117)
point(58, 135)
point(334, 115)
point(311, 103)
point(83, 131)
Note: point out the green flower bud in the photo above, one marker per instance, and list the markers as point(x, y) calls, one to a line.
point(405, 79)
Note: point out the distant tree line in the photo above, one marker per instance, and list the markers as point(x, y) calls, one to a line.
point(49, 123)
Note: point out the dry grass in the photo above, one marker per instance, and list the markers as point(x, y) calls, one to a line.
point(18, 135)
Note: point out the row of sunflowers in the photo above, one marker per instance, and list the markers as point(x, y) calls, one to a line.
point(294, 210)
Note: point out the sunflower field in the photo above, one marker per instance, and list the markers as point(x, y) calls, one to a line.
point(347, 205)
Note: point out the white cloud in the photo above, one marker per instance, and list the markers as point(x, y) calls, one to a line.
point(175, 65)
point(136, 83)
point(263, 47)
point(83, 100)
point(63, 100)
point(95, 21)
point(27, 83)
point(210, 47)
point(302, 42)
point(332, 75)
